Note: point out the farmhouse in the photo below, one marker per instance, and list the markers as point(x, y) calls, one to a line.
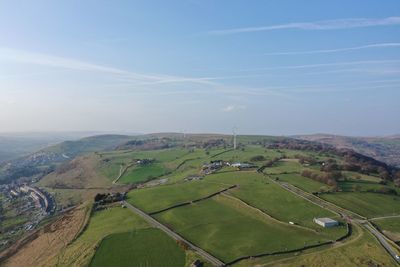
point(326, 222)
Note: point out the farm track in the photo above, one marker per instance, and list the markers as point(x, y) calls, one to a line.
point(213, 260)
point(384, 217)
point(122, 171)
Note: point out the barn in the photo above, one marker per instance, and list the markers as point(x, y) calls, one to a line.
point(326, 222)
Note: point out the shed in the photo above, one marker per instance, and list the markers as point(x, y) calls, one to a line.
point(326, 222)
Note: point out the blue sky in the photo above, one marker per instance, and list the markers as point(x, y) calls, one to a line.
point(266, 67)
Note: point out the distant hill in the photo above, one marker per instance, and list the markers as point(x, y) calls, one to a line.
point(15, 145)
point(386, 149)
point(44, 160)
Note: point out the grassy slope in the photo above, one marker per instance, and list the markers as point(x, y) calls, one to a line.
point(157, 198)
point(166, 160)
point(143, 173)
point(366, 204)
point(284, 166)
point(229, 230)
point(390, 226)
point(301, 182)
point(102, 223)
point(260, 192)
point(361, 250)
point(146, 247)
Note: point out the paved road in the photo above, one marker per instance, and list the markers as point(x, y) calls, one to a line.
point(356, 218)
point(383, 241)
point(213, 260)
point(384, 217)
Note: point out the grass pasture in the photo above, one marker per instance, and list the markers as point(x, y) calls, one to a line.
point(101, 224)
point(366, 204)
point(246, 154)
point(165, 160)
point(145, 247)
point(390, 227)
point(361, 250)
point(354, 176)
point(229, 229)
point(139, 174)
point(362, 186)
point(301, 182)
point(284, 166)
point(262, 193)
point(156, 198)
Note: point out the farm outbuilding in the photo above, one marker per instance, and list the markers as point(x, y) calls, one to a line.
point(326, 222)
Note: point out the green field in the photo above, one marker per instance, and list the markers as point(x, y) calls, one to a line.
point(157, 198)
point(146, 247)
point(102, 223)
point(284, 166)
point(301, 182)
point(355, 176)
point(165, 159)
point(366, 204)
point(246, 154)
point(362, 249)
point(262, 193)
point(229, 229)
point(138, 174)
point(390, 227)
point(361, 186)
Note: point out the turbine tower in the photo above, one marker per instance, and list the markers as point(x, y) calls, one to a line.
point(234, 137)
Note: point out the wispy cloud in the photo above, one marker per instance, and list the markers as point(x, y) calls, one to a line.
point(333, 64)
point(231, 108)
point(317, 25)
point(28, 57)
point(324, 51)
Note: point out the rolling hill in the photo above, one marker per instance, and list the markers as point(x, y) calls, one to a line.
point(386, 149)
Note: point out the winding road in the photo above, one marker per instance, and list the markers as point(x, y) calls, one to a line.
point(349, 215)
point(383, 241)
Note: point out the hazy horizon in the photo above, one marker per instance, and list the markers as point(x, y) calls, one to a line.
point(82, 134)
point(273, 68)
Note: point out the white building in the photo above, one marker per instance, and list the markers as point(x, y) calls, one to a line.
point(326, 222)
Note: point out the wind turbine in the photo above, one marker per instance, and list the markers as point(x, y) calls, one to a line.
point(234, 137)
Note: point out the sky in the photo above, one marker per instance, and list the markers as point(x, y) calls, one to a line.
point(277, 67)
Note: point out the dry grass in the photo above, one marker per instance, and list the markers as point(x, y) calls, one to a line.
point(52, 239)
point(80, 174)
